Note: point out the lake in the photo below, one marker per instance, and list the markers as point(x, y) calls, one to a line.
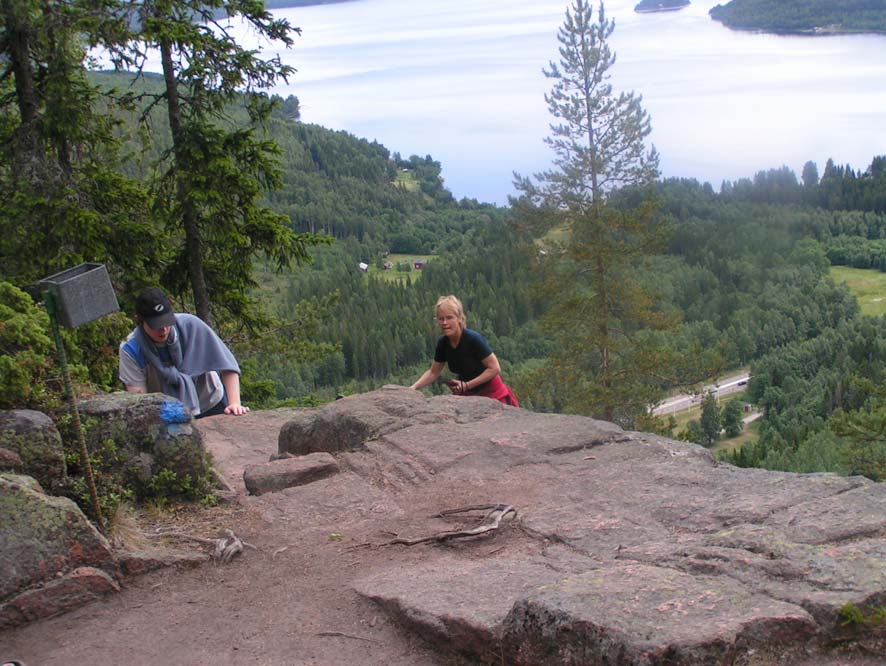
point(461, 80)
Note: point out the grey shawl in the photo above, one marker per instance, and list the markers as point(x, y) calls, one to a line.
point(195, 350)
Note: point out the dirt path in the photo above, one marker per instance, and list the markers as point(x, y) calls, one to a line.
point(287, 603)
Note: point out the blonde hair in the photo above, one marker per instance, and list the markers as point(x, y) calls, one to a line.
point(451, 304)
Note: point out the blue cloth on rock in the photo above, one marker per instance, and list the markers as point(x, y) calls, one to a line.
point(174, 412)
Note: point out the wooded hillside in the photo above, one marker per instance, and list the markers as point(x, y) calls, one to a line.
point(805, 16)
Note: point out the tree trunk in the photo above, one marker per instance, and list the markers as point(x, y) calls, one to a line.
point(193, 245)
point(603, 332)
point(18, 38)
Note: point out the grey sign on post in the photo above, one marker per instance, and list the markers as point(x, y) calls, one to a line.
point(82, 294)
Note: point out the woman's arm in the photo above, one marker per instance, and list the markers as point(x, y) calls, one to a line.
point(492, 370)
point(430, 375)
point(231, 380)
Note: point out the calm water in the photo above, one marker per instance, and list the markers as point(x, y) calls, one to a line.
point(461, 80)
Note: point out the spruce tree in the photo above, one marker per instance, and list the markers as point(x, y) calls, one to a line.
point(710, 420)
point(212, 180)
point(62, 198)
point(732, 417)
point(599, 135)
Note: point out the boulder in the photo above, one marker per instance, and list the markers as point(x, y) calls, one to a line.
point(249, 439)
point(639, 614)
point(51, 557)
point(33, 437)
point(288, 472)
point(626, 548)
point(349, 423)
point(148, 433)
point(60, 595)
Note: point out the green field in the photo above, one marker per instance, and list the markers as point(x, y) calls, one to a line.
point(393, 275)
point(869, 287)
point(748, 434)
point(406, 180)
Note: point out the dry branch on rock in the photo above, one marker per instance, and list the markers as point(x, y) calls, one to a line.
point(341, 634)
point(489, 523)
point(224, 549)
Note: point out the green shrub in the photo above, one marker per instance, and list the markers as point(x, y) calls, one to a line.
point(30, 374)
point(853, 616)
point(107, 472)
point(119, 477)
point(166, 486)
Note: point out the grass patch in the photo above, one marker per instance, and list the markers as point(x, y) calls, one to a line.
point(405, 180)
point(748, 434)
point(395, 275)
point(867, 285)
point(683, 417)
point(556, 236)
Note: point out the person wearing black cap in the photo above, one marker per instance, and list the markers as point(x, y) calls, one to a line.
point(181, 356)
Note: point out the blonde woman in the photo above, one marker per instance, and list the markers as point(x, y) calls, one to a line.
point(468, 355)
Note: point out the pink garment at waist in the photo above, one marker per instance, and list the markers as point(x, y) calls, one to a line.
point(496, 389)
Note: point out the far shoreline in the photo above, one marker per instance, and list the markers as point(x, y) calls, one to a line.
point(822, 31)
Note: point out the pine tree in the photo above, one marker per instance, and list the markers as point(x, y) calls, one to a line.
point(599, 139)
point(610, 363)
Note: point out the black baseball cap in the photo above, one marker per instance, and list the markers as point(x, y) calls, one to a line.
point(154, 308)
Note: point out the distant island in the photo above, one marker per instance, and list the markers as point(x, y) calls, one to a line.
point(660, 5)
point(286, 4)
point(803, 17)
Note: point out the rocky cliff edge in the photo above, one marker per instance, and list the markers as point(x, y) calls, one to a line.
point(622, 547)
point(400, 530)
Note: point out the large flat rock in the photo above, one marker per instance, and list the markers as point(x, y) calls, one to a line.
point(633, 548)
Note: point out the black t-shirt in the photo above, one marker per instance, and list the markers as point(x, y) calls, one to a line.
point(466, 360)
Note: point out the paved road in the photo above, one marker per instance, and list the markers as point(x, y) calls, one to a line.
point(725, 386)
